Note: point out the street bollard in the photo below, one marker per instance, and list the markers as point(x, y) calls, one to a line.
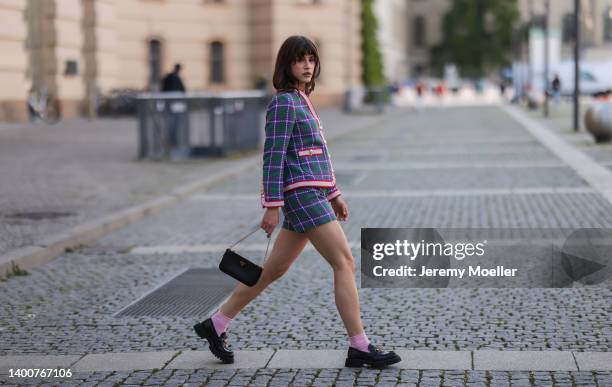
point(598, 121)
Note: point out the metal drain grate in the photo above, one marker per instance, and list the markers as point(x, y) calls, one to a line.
point(192, 293)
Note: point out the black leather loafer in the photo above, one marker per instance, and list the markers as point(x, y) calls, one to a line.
point(218, 344)
point(374, 358)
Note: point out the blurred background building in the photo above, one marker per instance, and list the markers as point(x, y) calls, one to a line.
point(595, 26)
point(81, 49)
point(423, 32)
point(423, 26)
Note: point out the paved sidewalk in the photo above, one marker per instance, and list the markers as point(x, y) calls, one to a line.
point(319, 358)
point(454, 167)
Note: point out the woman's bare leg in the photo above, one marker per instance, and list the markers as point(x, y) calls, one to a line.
point(331, 243)
point(286, 249)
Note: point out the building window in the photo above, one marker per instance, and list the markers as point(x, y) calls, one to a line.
point(418, 31)
point(216, 63)
point(154, 64)
point(567, 33)
point(71, 68)
point(607, 25)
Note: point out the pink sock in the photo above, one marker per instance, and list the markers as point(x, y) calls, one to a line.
point(220, 322)
point(360, 342)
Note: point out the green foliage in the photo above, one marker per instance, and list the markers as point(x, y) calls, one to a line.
point(371, 61)
point(477, 36)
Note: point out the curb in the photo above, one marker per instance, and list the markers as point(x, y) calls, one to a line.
point(593, 173)
point(475, 360)
point(31, 256)
point(86, 233)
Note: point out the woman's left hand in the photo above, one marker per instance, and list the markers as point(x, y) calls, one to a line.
point(340, 208)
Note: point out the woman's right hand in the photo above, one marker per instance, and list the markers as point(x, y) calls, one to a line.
point(270, 220)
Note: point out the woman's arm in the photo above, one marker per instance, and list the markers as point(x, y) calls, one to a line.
point(280, 120)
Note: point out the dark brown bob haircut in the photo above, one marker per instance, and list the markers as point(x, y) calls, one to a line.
point(294, 48)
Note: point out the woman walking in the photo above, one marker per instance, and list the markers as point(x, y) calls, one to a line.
point(299, 178)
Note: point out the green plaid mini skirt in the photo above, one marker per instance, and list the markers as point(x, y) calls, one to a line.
point(306, 208)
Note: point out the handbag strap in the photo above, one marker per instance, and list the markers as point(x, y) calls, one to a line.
point(251, 233)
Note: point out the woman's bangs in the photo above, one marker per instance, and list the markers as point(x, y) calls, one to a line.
point(306, 50)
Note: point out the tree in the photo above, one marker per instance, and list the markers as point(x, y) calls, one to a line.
point(371, 61)
point(477, 36)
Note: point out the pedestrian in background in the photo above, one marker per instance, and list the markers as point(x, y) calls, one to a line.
point(556, 89)
point(299, 178)
point(419, 94)
point(502, 89)
point(172, 81)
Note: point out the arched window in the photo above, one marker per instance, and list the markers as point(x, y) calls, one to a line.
point(216, 63)
point(607, 24)
point(418, 31)
point(154, 64)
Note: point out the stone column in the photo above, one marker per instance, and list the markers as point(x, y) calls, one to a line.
point(13, 33)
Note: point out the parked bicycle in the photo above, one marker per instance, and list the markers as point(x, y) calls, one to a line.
point(43, 106)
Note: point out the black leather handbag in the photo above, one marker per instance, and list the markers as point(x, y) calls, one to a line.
point(240, 268)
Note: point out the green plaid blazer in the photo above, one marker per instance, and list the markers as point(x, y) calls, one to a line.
point(295, 151)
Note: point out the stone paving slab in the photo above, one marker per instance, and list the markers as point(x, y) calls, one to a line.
point(123, 361)
point(204, 359)
point(463, 178)
point(378, 166)
point(360, 194)
point(285, 358)
point(196, 221)
point(600, 361)
point(444, 360)
point(36, 361)
point(485, 177)
point(524, 360)
point(179, 249)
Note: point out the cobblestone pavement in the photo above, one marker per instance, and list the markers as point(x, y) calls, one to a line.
point(329, 377)
point(66, 306)
point(53, 177)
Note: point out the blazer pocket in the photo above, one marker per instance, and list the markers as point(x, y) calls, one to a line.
point(310, 151)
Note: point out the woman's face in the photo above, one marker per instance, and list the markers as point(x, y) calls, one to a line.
point(303, 69)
